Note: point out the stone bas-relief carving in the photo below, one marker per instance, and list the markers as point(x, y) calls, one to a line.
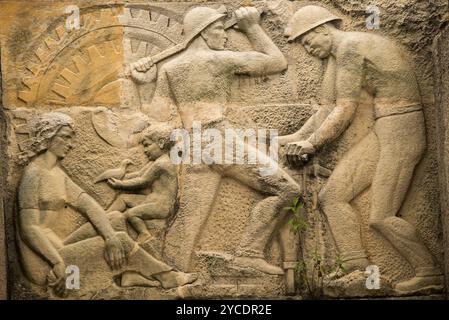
point(44, 191)
point(197, 83)
point(159, 173)
point(139, 226)
point(384, 159)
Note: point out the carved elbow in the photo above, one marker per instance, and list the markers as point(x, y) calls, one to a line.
point(283, 64)
point(277, 65)
point(28, 233)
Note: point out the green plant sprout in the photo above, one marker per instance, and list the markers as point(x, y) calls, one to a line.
point(298, 223)
point(313, 280)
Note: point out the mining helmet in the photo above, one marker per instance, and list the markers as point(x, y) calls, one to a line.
point(199, 18)
point(306, 19)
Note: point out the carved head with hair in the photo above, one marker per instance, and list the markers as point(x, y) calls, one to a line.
point(156, 139)
point(43, 129)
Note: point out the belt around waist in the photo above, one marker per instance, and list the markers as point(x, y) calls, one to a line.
point(395, 110)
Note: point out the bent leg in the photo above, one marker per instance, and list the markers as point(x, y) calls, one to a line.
point(124, 201)
point(390, 185)
point(149, 210)
point(352, 175)
point(89, 256)
point(398, 160)
point(198, 191)
point(149, 267)
point(267, 216)
point(87, 230)
point(137, 215)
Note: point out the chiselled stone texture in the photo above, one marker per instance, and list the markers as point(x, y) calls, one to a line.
point(3, 173)
point(442, 96)
point(93, 93)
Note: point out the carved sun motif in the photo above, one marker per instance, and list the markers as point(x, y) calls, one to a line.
point(84, 67)
point(91, 81)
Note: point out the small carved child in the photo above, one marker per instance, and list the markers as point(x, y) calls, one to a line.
point(159, 173)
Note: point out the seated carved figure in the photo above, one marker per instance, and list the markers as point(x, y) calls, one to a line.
point(159, 173)
point(45, 191)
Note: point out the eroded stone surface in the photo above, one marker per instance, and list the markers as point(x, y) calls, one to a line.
point(89, 115)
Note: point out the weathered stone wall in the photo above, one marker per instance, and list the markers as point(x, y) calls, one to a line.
point(46, 68)
point(3, 174)
point(441, 56)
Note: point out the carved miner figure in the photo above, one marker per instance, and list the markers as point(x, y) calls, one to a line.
point(385, 159)
point(194, 87)
point(45, 191)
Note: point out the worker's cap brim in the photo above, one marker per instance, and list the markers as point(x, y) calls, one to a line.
point(309, 28)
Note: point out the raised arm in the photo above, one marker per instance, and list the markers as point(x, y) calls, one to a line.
point(267, 58)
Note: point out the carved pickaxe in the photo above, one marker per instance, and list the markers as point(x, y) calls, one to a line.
point(185, 43)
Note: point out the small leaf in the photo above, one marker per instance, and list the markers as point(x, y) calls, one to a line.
point(295, 201)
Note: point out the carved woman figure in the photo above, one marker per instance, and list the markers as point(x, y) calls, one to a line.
point(45, 192)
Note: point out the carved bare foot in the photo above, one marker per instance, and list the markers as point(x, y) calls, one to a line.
point(420, 283)
point(257, 264)
point(131, 279)
point(173, 279)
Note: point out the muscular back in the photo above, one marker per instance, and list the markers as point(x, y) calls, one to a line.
point(376, 64)
point(198, 82)
point(200, 76)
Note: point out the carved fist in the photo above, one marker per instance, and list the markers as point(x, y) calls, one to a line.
point(143, 70)
point(247, 17)
point(115, 253)
point(57, 279)
point(298, 153)
point(143, 64)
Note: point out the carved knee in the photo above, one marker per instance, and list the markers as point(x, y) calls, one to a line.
point(117, 220)
point(330, 196)
point(114, 215)
point(375, 223)
point(323, 197)
point(291, 191)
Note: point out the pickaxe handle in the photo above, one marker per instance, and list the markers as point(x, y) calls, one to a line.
point(181, 46)
point(317, 170)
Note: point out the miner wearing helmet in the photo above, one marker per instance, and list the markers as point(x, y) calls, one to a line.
point(193, 87)
point(385, 159)
point(202, 73)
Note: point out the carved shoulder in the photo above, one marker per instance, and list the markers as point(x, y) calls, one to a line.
point(29, 185)
point(164, 163)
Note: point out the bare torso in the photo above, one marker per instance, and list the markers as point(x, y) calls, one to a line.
point(165, 185)
point(386, 72)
